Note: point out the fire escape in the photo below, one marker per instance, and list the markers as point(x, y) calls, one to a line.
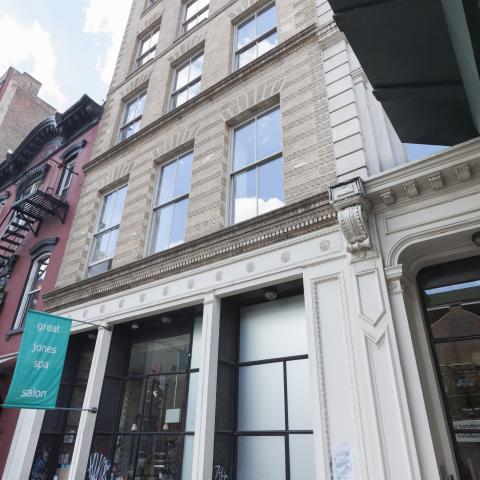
point(37, 197)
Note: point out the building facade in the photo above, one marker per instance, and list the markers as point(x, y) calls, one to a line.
point(20, 108)
point(260, 327)
point(40, 185)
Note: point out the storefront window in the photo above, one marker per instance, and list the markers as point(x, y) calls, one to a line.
point(58, 434)
point(264, 425)
point(146, 418)
point(451, 295)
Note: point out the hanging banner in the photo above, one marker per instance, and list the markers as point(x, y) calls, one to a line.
point(40, 362)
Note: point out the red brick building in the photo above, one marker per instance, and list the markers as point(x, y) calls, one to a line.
point(20, 108)
point(40, 184)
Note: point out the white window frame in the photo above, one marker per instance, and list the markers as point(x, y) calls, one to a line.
point(254, 165)
point(99, 232)
point(29, 290)
point(67, 177)
point(257, 39)
point(145, 38)
point(158, 206)
point(174, 93)
point(138, 118)
point(186, 21)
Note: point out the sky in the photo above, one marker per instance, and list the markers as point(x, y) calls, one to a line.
point(71, 46)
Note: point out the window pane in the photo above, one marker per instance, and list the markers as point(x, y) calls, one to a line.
point(192, 402)
point(145, 46)
point(182, 76)
point(299, 397)
point(140, 105)
point(244, 146)
point(162, 222)
point(273, 330)
point(130, 112)
point(190, 24)
point(108, 406)
point(167, 183)
point(168, 354)
point(73, 417)
point(245, 191)
point(41, 270)
point(177, 234)
point(266, 20)
point(99, 268)
point(196, 68)
point(191, 10)
point(164, 407)
point(184, 174)
point(158, 457)
point(120, 196)
point(125, 453)
point(197, 338)
point(180, 98)
point(267, 44)
point(261, 397)
point(269, 134)
point(247, 56)
point(107, 211)
point(246, 33)
point(202, 4)
point(302, 460)
point(202, 16)
point(261, 458)
point(187, 457)
point(132, 406)
point(101, 247)
point(270, 186)
point(193, 90)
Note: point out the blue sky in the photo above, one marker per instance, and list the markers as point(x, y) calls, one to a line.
point(71, 46)
point(68, 45)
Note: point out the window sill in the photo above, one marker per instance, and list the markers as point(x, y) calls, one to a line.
point(13, 332)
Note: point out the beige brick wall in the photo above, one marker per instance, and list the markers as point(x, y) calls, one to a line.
point(292, 77)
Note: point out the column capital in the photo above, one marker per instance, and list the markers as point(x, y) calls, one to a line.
point(350, 201)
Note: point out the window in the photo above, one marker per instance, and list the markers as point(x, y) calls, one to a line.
point(132, 118)
point(146, 419)
point(257, 170)
point(66, 180)
point(148, 45)
point(195, 12)
point(186, 81)
point(171, 204)
point(33, 288)
point(256, 36)
point(105, 239)
point(264, 415)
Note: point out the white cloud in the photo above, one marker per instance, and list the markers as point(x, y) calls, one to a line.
point(28, 47)
point(107, 17)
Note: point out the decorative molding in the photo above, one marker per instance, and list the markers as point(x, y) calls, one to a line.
point(436, 181)
point(410, 189)
point(387, 196)
point(288, 222)
point(371, 307)
point(463, 173)
point(349, 200)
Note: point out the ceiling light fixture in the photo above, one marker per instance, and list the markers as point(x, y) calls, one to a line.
point(270, 293)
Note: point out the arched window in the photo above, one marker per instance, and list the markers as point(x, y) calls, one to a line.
point(33, 288)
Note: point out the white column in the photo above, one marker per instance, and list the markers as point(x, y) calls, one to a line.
point(207, 391)
point(425, 435)
point(86, 426)
point(24, 444)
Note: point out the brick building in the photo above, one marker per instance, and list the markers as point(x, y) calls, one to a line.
point(204, 235)
point(20, 108)
point(40, 183)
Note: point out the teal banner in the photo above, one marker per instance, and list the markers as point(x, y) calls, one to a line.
point(40, 362)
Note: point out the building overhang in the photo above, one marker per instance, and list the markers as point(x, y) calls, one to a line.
point(422, 58)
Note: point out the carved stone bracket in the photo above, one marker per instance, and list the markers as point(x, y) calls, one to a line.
point(350, 201)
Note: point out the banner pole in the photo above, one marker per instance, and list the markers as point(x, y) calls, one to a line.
point(105, 327)
point(91, 410)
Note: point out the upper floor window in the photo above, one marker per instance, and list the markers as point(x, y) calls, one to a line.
point(195, 12)
point(187, 80)
point(171, 204)
point(66, 179)
point(256, 35)
point(106, 233)
point(257, 167)
point(147, 47)
point(132, 117)
point(33, 288)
